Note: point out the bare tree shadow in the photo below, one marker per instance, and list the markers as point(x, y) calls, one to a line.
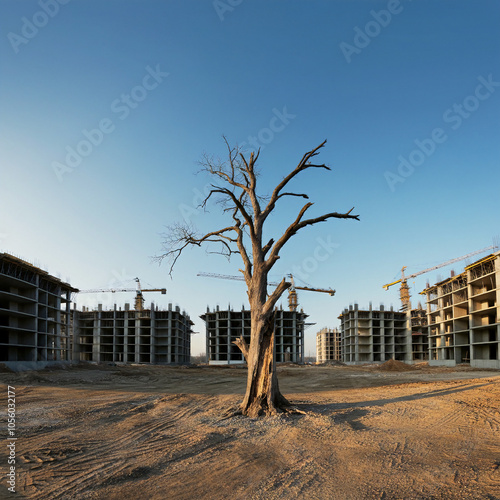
point(352, 418)
point(350, 413)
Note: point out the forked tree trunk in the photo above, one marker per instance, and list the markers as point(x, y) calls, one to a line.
point(263, 396)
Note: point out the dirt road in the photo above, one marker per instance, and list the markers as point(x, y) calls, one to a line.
point(162, 433)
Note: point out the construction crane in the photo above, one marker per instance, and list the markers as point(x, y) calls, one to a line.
point(404, 290)
point(292, 294)
point(139, 298)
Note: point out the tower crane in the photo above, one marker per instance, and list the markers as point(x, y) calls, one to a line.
point(404, 290)
point(292, 294)
point(139, 298)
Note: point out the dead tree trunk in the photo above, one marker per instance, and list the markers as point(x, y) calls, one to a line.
point(263, 396)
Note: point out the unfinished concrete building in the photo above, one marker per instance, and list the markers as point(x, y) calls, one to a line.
point(152, 335)
point(328, 345)
point(371, 336)
point(224, 327)
point(463, 313)
point(35, 315)
point(417, 325)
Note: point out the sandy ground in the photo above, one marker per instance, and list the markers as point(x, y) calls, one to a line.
point(164, 433)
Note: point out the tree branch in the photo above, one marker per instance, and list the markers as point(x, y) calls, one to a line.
point(303, 165)
point(219, 168)
point(252, 183)
point(242, 344)
point(298, 224)
point(247, 273)
point(179, 237)
point(275, 296)
point(321, 218)
point(237, 201)
point(267, 246)
point(292, 194)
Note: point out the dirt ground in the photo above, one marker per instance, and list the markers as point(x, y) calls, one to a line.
point(139, 432)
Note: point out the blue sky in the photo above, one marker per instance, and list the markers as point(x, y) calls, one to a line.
point(406, 93)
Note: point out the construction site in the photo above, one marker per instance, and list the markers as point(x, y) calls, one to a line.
point(459, 325)
point(40, 324)
point(403, 403)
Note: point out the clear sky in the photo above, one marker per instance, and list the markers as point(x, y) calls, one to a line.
point(106, 108)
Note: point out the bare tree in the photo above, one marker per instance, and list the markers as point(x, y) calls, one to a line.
point(236, 189)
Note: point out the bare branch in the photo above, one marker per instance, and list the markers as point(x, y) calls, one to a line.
point(303, 165)
point(244, 348)
point(219, 168)
point(298, 224)
point(179, 237)
point(252, 183)
point(267, 246)
point(237, 201)
point(293, 194)
point(227, 251)
point(275, 296)
point(247, 273)
point(336, 215)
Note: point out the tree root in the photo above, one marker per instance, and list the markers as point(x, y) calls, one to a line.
point(293, 410)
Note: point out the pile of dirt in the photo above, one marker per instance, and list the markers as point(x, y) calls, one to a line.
point(395, 366)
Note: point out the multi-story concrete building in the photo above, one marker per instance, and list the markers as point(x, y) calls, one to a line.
point(224, 327)
point(35, 315)
point(133, 336)
point(417, 325)
point(328, 345)
point(369, 336)
point(463, 313)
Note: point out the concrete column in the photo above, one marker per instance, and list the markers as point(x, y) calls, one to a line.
point(96, 337)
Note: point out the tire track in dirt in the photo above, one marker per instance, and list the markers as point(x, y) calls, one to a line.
point(480, 413)
point(133, 439)
point(150, 424)
point(483, 432)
